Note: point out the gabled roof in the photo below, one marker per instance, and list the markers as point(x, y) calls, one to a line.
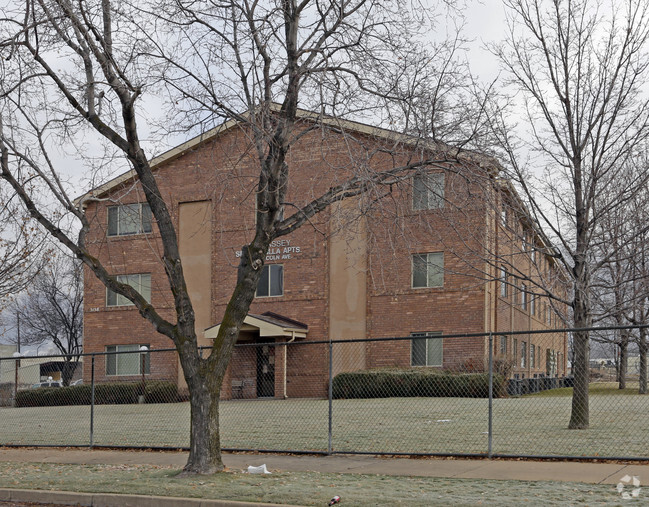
point(268, 324)
point(302, 114)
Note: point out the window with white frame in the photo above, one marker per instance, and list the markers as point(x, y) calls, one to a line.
point(427, 191)
point(427, 349)
point(532, 356)
point(271, 282)
point(523, 354)
point(127, 219)
point(428, 270)
point(141, 282)
point(503, 345)
point(532, 304)
point(523, 296)
point(514, 349)
point(503, 282)
point(127, 360)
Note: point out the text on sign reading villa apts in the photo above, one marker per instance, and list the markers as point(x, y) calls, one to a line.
point(280, 249)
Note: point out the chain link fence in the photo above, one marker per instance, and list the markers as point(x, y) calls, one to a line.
point(507, 394)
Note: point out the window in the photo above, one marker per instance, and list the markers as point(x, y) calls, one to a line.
point(428, 270)
point(129, 219)
point(503, 282)
point(127, 360)
point(271, 282)
point(140, 282)
point(514, 350)
point(503, 217)
point(503, 345)
point(426, 351)
point(523, 297)
point(523, 354)
point(532, 305)
point(532, 355)
point(428, 191)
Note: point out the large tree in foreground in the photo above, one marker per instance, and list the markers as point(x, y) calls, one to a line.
point(81, 72)
point(580, 68)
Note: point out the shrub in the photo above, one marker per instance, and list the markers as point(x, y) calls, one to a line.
point(105, 394)
point(415, 383)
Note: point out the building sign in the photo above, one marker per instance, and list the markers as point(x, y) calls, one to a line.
point(279, 250)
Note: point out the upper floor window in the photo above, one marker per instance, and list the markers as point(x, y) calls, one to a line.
point(503, 282)
point(532, 304)
point(427, 191)
point(428, 270)
point(271, 282)
point(129, 219)
point(523, 296)
point(140, 282)
point(426, 349)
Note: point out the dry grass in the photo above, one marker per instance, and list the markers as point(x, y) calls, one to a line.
point(304, 488)
point(530, 425)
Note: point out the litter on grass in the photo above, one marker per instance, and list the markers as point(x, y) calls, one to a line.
point(261, 469)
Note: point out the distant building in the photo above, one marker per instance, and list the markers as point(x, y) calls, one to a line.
point(413, 267)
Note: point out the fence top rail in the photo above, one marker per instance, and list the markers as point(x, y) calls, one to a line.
point(351, 340)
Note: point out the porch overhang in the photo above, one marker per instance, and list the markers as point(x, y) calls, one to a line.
point(269, 325)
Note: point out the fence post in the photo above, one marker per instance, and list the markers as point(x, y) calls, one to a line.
point(92, 400)
point(329, 442)
point(491, 394)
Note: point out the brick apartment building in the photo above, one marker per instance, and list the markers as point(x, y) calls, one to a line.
point(424, 262)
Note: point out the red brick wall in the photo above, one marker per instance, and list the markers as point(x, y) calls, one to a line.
point(225, 172)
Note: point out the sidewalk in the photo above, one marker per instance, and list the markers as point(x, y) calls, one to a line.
point(593, 473)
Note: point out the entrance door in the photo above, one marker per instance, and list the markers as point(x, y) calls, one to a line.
point(265, 371)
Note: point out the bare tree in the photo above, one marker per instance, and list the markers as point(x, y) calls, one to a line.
point(20, 246)
point(73, 70)
point(52, 312)
point(580, 72)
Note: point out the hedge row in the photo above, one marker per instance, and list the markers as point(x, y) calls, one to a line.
point(105, 394)
point(415, 383)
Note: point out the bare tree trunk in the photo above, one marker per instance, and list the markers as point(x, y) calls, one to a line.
point(579, 417)
point(205, 439)
point(643, 346)
point(624, 359)
point(68, 370)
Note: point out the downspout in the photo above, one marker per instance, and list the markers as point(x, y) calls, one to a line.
point(286, 362)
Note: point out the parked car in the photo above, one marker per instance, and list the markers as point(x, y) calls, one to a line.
point(49, 383)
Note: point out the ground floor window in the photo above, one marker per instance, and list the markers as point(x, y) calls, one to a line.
point(426, 349)
point(532, 356)
point(127, 360)
point(503, 345)
point(523, 354)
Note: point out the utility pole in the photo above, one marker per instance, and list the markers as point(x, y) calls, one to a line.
point(17, 354)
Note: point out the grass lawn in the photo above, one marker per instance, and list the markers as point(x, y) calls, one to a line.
point(529, 425)
point(304, 488)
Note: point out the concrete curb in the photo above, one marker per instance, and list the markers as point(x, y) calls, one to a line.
point(114, 500)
